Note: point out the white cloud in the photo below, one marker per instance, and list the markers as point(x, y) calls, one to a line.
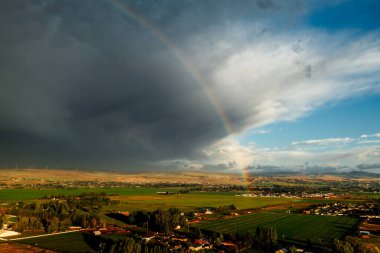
point(369, 138)
point(229, 153)
point(324, 141)
point(370, 141)
point(280, 77)
point(346, 157)
point(263, 131)
point(275, 77)
point(376, 135)
point(334, 152)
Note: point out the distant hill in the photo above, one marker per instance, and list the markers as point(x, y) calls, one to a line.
point(358, 174)
point(41, 176)
point(24, 177)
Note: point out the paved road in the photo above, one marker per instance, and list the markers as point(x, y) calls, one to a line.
point(35, 236)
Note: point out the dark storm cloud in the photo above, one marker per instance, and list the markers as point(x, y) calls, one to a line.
point(83, 84)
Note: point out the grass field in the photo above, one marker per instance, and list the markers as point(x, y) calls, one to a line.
point(366, 195)
point(70, 242)
point(193, 200)
point(294, 227)
point(14, 195)
point(135, 198)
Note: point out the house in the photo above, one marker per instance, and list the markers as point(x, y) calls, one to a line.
point(228, 243)
point(147, 239)
point(125, 213)
point(201, 241)
point(198, 248)
point(6, 233)
point(75, 228)
point(184, 239)
point(177, 247)
point(208, 211)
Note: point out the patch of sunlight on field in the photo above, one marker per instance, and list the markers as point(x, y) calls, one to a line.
point(145, 197)
point(193, 200)
point(14, 195)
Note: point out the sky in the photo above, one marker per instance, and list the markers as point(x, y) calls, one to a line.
point(215, 85)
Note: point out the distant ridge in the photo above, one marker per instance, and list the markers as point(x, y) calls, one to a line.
point(349, 174)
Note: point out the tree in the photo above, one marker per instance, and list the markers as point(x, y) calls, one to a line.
point(352, 244)
point(174, 211)
point(342, 247)
point(249, 238)
point(3, 220)
point(183, 221)
point(265, 237)
point(233, 235)
point(293, 249)
point(309, 244)
point(357, 245)
point(198, 233)
point(214, 236)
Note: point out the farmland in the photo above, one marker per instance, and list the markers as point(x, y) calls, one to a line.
point(134, 198)
point(69, 242)
point(290, 227)
point(194, 200)
point(13, 195)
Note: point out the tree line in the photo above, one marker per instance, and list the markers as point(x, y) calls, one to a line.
point(353, 245)
point(57, 216)
point(131, 245)
point(160, 220)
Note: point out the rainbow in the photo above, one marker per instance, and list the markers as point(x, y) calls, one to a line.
point(181, 57)
point(187, 64)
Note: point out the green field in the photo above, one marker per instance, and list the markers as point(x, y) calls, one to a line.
point(15, 195)
point(69, 242)
point(365, 195)
point(135, 198)
point(294, 227)
point(194, 200)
